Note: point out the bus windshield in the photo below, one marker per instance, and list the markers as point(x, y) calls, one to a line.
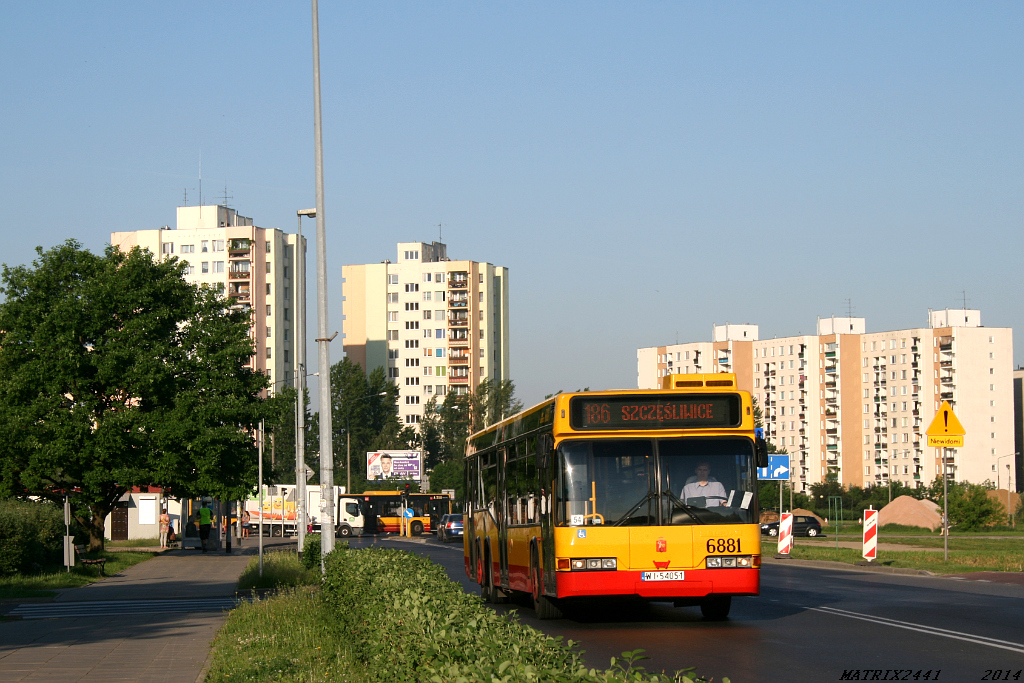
point(642, 482)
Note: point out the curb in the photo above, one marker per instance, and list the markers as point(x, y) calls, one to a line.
point(842, 566)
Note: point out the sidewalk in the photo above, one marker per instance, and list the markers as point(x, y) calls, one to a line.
point(128, 627)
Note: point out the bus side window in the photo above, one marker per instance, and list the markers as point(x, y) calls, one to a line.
point(531, 489)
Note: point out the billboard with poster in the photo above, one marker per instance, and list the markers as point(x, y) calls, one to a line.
point(402, 465)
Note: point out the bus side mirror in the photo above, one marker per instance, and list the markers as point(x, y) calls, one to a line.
point(761, 451)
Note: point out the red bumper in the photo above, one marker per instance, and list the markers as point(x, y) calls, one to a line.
point(696, 583)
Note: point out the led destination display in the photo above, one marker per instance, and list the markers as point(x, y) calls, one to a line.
point(693, 411)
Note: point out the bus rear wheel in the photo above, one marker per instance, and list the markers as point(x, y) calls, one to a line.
point(716, 608)
point(543, 606)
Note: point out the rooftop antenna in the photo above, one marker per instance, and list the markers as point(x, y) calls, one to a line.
point(200, 183)
point(185, 190)
point(965, 305)
point(849, 308)
point(439, 239)
point(225, 197)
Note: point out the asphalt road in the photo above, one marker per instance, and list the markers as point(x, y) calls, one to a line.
point(809, 624)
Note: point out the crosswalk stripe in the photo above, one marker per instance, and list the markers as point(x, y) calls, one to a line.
point(114, 607)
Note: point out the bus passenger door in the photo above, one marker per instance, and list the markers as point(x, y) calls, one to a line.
point(501, 518)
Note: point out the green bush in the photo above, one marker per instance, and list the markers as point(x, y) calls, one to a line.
point(311, 551)
point(406, 621)
point(31, 536)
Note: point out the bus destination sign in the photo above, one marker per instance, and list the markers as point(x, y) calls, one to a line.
point(693, 411)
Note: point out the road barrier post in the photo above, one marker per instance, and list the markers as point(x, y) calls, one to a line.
point(870, 534)
point(785, 533)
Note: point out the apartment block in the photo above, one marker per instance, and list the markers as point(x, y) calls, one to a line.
point(253, 267)
point(435, 324)
point(853, 406)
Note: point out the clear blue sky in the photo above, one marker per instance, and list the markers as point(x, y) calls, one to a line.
point(644, 169)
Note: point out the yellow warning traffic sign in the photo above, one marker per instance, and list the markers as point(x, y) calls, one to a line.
point(946, 431)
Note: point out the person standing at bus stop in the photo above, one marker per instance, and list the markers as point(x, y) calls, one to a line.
point(204, 523)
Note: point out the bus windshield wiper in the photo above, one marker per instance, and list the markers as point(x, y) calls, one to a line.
point(679, 504)
point(624, 518)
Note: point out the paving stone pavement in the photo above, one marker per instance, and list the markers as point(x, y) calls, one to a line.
point(155, 647)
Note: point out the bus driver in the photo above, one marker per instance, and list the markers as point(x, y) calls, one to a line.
point(704, 486)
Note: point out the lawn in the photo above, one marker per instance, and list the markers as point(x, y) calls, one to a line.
point(47, 583)
point(965, 555)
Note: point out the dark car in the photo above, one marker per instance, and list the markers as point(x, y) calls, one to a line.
point(449, 527)
point(803, 525)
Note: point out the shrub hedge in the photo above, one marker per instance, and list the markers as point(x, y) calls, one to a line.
point(311, 552)
point(406, 621)
point(31, 536)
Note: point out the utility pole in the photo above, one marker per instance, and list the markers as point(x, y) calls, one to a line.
point(323, 341)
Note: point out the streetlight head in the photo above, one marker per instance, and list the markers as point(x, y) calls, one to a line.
point(307, 212)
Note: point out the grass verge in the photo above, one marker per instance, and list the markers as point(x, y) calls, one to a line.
point(292, 637)
point(47, 583)
point(960, 561)
point(280, 569)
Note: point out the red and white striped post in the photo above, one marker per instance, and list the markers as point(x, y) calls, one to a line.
point(870, 535)
point(785, 533)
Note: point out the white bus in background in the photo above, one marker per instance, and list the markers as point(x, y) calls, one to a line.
point(279, 511)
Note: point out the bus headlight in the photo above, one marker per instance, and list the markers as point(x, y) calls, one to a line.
point(729, 561)
point(593, 564)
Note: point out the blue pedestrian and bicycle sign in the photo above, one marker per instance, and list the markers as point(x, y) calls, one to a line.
point(778, 468)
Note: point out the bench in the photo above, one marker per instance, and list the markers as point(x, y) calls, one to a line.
point(80, 557)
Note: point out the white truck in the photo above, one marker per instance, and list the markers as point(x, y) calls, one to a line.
point(279, 511)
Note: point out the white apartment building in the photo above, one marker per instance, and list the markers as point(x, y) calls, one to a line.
point(435, 324)
point(854, 406)
point(254, 267)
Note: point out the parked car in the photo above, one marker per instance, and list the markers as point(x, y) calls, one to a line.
point(803, 525)
point(449, 527)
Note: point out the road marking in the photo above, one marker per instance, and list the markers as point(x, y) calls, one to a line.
point(930, 630)
point(99, 608)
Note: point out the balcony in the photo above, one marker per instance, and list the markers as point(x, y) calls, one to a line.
point(946, 395)
point(239, 247)
point(458, 360)
point(458, 337)
point(458, 322)
point(830, 354)
point(831, 384)
point(458, 380)
point(831, 369)
point(946, 379)
point(461, 283)
point(832, 431)
point(238, 274)
point(832, 447)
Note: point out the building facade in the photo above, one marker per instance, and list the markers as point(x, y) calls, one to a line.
point(853, 406)
point(435, 325)
point(254, 267)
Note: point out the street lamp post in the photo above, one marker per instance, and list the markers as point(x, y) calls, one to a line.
point(300, 378)
point(323, 341)
point(1009, 512)
point(348, 443)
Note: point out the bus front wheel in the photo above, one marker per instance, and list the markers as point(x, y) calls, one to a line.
point(416, 528)
point(543, 606)
point(716, 608)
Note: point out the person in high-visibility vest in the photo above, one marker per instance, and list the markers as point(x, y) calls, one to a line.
point(204, 523)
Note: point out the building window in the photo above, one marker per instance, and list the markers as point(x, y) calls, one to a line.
point(268, 247)
point(392, 353)
point(188, 249)
point(392, 335)
point(392, 279)
point(412, 306)
point(426, 315)
point(412, 325)
point(268, 332)
point(268, 309)
point(392, 372)
point(412, 381)
point(412, 419)
point(218, 245)
point(268, 352)
point(286, 314)
point(286, 355)
point(204, 267)
point(426, 295)
point(413, 287)
point(268, 268)
point(392, 316)
point(167, 247)
point(392, 297)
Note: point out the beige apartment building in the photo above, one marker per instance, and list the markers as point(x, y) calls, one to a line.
point(853, 406)
point(435, 324)
point(254, 267)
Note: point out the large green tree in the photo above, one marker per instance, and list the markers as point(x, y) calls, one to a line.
point(115, 373)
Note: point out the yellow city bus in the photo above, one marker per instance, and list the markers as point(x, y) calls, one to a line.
point(382, 511)
point(648, 493)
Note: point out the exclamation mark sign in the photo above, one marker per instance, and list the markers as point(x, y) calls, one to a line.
point(945, 419)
